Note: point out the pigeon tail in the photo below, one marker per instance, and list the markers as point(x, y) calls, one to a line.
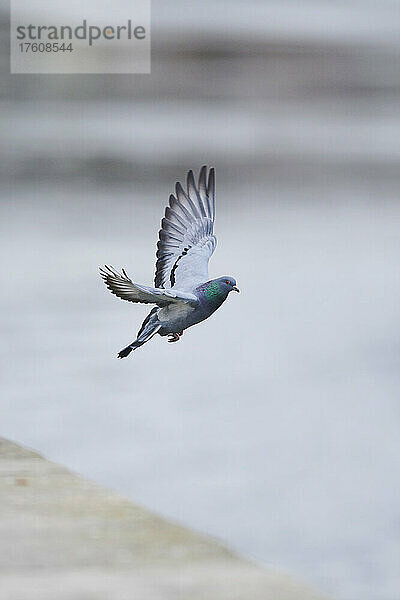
point(151, 325)
point(125, 352)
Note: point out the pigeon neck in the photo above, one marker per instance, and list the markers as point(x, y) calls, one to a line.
point(213, 293)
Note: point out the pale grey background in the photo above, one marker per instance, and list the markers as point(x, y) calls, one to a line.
point(275, 425)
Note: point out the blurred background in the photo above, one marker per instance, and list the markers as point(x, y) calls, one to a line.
point(274, 426)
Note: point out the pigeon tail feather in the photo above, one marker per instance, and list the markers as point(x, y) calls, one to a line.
point(151, 325)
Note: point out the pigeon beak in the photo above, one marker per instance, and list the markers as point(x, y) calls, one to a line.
point(235, 289)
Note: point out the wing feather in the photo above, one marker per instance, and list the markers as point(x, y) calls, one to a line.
point(186, 240)
point(123, 287)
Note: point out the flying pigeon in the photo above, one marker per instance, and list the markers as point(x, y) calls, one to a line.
point(183, 293)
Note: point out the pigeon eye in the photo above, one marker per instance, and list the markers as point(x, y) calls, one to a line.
point(227, 281)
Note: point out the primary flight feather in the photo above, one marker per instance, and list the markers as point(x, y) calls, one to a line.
point(183, 293)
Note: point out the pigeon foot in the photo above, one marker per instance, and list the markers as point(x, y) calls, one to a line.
point(173, 337)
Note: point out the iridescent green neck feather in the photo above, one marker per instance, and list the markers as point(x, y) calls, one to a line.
point(213, 292)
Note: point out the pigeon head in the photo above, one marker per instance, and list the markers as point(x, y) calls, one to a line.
point(227, 284)
point(217, 290)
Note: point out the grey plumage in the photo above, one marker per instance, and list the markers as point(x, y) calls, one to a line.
point(186, 235)
point(183, 293)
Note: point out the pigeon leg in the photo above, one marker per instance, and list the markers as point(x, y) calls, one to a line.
point(173, 337)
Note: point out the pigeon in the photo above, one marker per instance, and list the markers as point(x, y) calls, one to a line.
point(183, 293)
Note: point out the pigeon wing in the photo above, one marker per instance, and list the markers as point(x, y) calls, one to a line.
point(186, 241)
point(123, 287)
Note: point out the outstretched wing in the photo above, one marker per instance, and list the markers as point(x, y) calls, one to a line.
point(186, 239)
point(123, 287)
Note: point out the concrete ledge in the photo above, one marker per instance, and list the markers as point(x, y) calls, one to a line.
point(63, 537)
